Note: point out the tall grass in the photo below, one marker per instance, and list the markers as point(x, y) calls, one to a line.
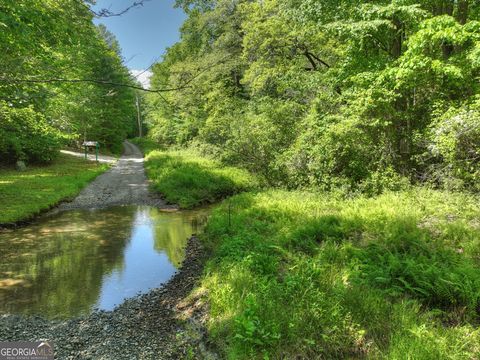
point(188, 180)
point(318, 276)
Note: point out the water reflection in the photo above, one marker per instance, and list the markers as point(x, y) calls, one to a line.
point(73, 262)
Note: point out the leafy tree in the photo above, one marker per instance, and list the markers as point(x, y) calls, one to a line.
point(25, 135)
point(320, 92)
point(60, 66)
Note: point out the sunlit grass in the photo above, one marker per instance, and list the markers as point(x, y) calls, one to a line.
point(189, 180)
point(25, 194)
point(319, 276)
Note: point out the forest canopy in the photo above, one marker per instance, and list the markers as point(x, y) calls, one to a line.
point(56, 71)
point(358, 95)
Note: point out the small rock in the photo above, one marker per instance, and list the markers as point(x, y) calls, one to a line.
point(20, 166)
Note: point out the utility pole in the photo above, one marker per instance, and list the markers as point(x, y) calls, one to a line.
point(138, 116)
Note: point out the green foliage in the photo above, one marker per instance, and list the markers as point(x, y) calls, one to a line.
point(25, 135)
point(50, 40)
point(188, 180)
point(455, 138)
point(321, 93)
point(25, 194)
point(320, 276)
point(349, 97)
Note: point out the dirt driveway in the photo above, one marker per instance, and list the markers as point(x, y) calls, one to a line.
point(124, 184)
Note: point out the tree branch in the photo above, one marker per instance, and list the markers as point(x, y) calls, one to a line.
point(319, 60)
point(380, 44)
point(310, 60)
point(108, 13)
point(111, 83)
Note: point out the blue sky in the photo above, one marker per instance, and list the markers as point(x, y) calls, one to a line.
point(144, 32)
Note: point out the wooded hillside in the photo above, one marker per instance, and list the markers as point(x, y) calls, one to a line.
point(358, 95)
point(56, 75)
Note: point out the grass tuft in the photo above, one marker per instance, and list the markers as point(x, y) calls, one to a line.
point(189, 180)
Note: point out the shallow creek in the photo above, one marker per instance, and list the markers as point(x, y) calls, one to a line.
point(73, 262)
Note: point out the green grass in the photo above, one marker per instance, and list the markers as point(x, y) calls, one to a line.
point(318, 276)
point(189, 180)
point(25, 194)
point(145, 144)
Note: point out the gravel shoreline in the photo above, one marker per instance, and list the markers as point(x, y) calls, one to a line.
point(148, 326)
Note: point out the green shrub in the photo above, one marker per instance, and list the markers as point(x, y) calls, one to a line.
point(25, 135)
point(439, 278)
point(456, 139)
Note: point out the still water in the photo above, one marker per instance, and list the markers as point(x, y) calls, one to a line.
point(71, 263)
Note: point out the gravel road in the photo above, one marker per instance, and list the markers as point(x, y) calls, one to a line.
point(165, 323)
point(125, 184)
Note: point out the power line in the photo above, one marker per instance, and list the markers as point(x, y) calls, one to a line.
point(102, 82)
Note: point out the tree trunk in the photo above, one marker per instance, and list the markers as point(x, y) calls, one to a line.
point(462, 11)
point(396, 48)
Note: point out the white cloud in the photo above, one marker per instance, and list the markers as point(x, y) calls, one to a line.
point(142, 76)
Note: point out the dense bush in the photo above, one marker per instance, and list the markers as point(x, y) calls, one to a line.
point(319, 93)
point(456, 139)
point(26, 135)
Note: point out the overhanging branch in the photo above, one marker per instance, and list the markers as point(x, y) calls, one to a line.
point(185, 85)
point(108, 13)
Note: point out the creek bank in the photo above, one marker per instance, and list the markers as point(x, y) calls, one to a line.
point(148, 326)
